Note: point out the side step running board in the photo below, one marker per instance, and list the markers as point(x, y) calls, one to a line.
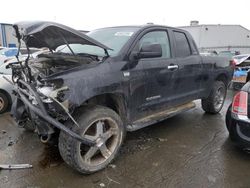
point(160, 116)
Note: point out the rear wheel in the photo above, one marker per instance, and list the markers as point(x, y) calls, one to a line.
point(214, 103)
point(4, 103)
point(101, 125)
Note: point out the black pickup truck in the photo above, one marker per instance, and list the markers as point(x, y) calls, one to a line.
point(91, 89)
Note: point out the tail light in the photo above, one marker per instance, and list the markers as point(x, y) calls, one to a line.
point(239, 105)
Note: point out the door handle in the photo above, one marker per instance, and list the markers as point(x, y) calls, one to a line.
point(173, 67)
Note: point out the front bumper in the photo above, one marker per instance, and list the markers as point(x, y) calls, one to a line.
point(41, 112)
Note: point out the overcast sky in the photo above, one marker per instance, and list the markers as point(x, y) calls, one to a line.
point(92, 14)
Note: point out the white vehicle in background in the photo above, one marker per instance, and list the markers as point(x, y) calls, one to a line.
point(6, 89)
point(6, 53)
point(9, 53)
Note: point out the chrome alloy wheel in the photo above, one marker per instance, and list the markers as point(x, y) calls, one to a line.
point(104, 132)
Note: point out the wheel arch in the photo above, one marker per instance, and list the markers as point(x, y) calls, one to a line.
point(115, 101)
point(222, 77)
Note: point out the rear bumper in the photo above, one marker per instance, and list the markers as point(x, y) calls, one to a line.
point(241, 118)
point(41, 112)
point(241, 122)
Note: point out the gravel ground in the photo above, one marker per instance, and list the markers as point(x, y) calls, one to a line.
point(191, 149)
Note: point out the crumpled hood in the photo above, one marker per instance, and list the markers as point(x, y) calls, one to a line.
point(51, 35)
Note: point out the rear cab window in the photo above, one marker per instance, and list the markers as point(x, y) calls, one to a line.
point(182, 47)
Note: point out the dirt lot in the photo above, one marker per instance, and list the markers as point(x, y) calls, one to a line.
point(189, 150)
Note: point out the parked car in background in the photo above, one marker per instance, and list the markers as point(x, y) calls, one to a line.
point(6, 53)
point(241, 72)
point(6, 89)
point(228, 54)
point(238, 118)
point(9, 53)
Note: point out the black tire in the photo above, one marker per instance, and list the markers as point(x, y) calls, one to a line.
point(4, 103)
point(90, 120)
point(231, 125)
point(214, 103)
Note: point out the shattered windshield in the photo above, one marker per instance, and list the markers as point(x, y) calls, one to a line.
point(114, 38)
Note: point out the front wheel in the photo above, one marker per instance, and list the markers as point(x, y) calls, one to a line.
point(214, 103)
point(101, 125)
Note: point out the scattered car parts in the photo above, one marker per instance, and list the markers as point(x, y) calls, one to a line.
point(14, 166)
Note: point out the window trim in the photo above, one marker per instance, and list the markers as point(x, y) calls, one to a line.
point(133, 46)
point(190, 49)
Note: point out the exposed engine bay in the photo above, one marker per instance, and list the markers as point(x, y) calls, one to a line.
point(34, 80)
point(48, 64)
point(42, 103)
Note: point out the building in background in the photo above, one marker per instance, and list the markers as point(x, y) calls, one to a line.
point(234, 38)
point(7, 38)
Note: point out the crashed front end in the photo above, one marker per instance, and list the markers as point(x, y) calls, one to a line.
point(42, 99)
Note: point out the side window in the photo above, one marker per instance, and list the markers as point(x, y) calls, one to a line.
point(157, 37)
point(182, 45)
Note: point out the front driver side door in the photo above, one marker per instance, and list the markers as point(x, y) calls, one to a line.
point(158, 86)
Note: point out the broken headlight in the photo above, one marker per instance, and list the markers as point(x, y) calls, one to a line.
point(52, 90)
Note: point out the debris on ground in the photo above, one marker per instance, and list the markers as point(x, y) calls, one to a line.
point(211, 178)
point(10, 143)
point(102, 185)
point(14, 166)
point(112, 166)
point(155, 164)
point(3, 131)
point(162, 139)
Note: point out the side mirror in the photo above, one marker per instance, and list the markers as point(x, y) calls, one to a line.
point(150, 51)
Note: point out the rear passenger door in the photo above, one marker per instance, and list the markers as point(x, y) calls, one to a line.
point(186, 78)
